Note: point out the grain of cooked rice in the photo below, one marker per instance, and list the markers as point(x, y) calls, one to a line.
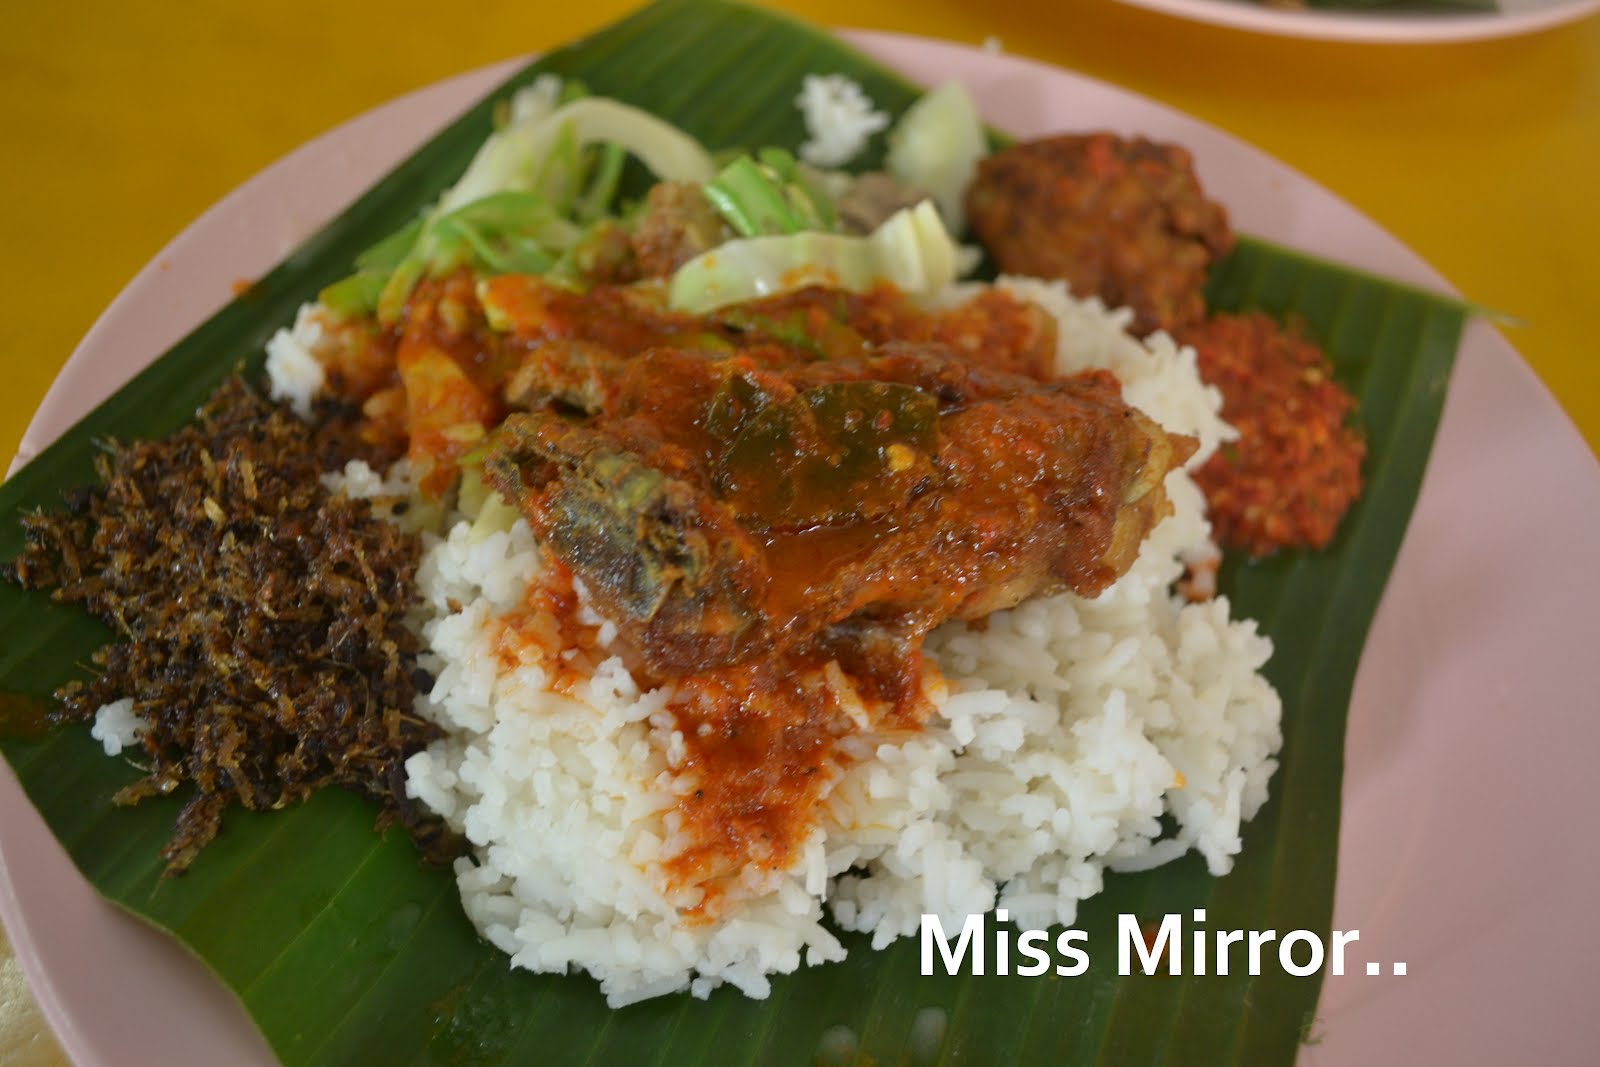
point(117, 726)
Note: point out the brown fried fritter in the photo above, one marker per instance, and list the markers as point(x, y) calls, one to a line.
point(1124, 219)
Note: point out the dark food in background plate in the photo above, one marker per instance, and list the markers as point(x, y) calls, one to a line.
point(1123, 218)
point(260, 616)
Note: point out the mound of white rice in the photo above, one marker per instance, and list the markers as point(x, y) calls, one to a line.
point(1068, 729)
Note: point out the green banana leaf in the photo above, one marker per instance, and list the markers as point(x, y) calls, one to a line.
point(356, 954)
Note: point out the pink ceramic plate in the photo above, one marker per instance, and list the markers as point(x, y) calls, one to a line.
point(1466, 850)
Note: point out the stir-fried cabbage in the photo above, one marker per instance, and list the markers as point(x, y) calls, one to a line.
point(911, 250)
point(523, 199)
point(533, 154)
point(936, 146)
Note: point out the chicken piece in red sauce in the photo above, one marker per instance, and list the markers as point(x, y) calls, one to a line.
point(724, 500)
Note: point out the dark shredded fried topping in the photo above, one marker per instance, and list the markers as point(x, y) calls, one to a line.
point(262, 616)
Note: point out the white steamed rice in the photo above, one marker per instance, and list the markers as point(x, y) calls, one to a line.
point(1068, 729)
point(840, 119)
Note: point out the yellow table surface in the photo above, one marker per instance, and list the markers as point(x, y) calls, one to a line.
point(119, 123)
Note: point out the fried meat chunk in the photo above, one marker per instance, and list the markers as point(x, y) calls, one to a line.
point(1124, 219)
point(720, 507)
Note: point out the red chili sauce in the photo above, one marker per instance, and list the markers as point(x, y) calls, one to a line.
point(1296, 466)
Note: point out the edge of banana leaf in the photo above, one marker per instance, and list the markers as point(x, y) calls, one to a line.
point(363, 956)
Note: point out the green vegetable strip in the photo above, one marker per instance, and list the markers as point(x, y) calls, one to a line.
point(358, 295)
point(596, 201)
point(806, 196)
point(386, 255)
point(355, 296)
point(750, 201)
point(559, 174)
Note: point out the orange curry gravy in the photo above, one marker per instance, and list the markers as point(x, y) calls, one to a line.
point(545, 628)
point(435, 379)
point(762, 741)
point(762, 738)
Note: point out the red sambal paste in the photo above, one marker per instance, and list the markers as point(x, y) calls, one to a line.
point(1296, 466)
